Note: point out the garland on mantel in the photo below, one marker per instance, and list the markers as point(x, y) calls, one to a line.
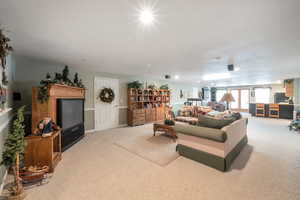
point(63, 79)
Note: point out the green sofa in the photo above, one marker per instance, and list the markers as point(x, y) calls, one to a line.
point(214, 147)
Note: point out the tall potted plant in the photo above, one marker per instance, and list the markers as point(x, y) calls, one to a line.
point(13, 146)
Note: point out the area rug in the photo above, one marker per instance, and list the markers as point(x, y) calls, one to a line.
point(159, 149)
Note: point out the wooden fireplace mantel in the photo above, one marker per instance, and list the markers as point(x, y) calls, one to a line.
point(49, 109)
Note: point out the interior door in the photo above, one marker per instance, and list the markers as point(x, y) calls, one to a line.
point(106, 114)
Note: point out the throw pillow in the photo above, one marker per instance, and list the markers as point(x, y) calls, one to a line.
point(210, 122)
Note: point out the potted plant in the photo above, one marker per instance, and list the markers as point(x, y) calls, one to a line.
point(164, 87)
point(13, 146)
point(135, 85)
point(169, 122)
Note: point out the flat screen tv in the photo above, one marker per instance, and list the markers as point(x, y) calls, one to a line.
point(70, 113)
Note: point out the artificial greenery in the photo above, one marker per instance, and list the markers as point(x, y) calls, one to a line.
point(164, 87)
point(13, 147)
point(135, 85)
point(169, 122)
point(295, 125)
point(43, 93)
point(4, 78)
point(76, 80)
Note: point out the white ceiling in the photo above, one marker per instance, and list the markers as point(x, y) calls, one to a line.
point(263, 37)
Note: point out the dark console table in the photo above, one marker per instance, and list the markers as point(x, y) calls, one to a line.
point(285, 110)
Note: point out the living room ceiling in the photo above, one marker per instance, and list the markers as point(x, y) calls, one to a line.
point(191, 39)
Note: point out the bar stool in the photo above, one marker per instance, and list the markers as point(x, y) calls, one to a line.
point(274, 110)
point(260, 110)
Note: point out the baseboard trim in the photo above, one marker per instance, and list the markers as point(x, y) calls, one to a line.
point(3, 180)
point(122, 125)
point(90, 131)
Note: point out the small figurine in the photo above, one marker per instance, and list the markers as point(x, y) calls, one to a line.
point(46, 127)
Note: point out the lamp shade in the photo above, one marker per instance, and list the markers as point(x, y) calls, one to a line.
point(227, 98)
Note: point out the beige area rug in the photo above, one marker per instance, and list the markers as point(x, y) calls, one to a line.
point(139, 140)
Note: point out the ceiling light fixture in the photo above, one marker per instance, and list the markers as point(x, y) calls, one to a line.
point(219, 76)
point(146, 14)
point(237, 69)
point(176, 77)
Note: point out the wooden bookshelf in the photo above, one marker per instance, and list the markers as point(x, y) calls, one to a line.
point(147, 105)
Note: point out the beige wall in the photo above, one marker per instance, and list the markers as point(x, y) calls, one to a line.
point(30, 71)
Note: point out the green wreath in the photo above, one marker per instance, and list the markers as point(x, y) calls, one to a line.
point(107, 95)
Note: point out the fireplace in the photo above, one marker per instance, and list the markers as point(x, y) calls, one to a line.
point(70, 117)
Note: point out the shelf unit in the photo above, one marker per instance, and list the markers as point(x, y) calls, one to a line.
point(43, 151)
point(147, 105)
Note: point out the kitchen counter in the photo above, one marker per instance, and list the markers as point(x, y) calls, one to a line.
point(286, 111)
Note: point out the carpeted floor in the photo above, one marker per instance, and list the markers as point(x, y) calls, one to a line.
point(106, 165)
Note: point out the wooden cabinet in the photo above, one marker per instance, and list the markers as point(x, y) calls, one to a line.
point(136, 117)
point(49, 108)
point(147, 105)
point(285, 110)
point(160, 114)
point(43, 151)
point(150, 115)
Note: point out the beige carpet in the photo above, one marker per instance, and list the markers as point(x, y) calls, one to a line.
point(159, 149)
point(95, 169)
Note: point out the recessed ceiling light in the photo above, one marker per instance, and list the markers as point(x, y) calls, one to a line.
point(176, 77)
point(218, 76)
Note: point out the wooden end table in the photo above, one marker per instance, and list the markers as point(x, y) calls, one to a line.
point(165, 128)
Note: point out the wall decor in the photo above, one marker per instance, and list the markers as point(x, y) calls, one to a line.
point(107, 95)
point(5, 50)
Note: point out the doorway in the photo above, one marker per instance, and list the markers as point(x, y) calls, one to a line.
point(106, 114)
point(242, 99)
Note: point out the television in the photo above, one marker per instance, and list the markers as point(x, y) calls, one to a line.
point(70, 117)
point(70, 112)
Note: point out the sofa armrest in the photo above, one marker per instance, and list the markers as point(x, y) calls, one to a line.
point(235, 132)
point(203, 132)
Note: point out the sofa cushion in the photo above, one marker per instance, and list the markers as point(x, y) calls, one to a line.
point(203, 132)
point(211, 122)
